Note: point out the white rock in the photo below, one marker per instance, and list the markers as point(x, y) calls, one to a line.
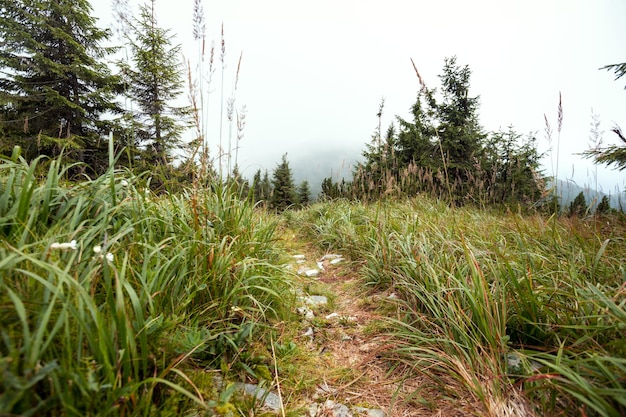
point(312, 273)
point(299, 256)
point(330, 256)
point(316, 300)
point(336, 261)
point(320, 266)
point(306, 312)
point(331, 315)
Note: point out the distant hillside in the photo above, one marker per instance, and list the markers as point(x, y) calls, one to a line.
point(568, 190)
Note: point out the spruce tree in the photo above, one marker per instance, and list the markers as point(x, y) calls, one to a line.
point(578, 207)
point(154, 80)
point(256, 186)
point(604, 207)
point(512, 168)
point(266, 187)
point(55, 86)
point(284, 193)
point(304, 193)
point(459, 132)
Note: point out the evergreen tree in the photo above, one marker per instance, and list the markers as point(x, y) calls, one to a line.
point(256, 187)
point(55, 87)
point(604, 207)
point(284, 193)
point(266, 187)
point(304, 193)
point(459, 132)
point(414, 142)
point(512, 168)
point(578, 207)
point(618, 69)
point(330, 189)
point(611, 155)
point(154, 81)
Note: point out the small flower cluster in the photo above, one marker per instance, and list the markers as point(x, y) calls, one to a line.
point(98, 251)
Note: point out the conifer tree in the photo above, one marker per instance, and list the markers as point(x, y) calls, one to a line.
point(154, 80)
point(604, 207)
point(256, 186)
point(284, 193)
point(578, 206)
point(459, 132)
point(55, 86)
point(304, 193)
point(512, 168)
point(266, 187)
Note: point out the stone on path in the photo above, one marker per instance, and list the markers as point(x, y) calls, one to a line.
point(315, 300)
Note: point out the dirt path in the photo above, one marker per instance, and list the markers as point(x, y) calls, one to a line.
point(351, 351)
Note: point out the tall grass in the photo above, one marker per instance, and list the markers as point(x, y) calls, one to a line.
point(522, 314)
point(111, 296)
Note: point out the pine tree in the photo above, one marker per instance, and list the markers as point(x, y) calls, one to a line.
point(304, 193)
point(154, 81)
point(512, 168)
point(578, 207)
point(284, 193)
point(459, 132)
point(256, 187)
point(604, 207)
point(330, 190)
point(266, 187)
point(55, 86)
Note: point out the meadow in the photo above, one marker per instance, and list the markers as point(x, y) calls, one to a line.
point(115, 300)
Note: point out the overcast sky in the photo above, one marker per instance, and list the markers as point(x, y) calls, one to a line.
point(314, 72)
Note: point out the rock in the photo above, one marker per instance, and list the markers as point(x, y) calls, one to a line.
point(299, 256)
point(306, 312)
point(315, 300)
point(329, 409)
point(336, 261)
point(312, 273)
point(369, 412)
point(320, 266)
point(515, 364)
point(270, 400)
point(331, 316)
point(330, 256)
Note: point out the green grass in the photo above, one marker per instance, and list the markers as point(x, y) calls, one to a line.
point(114, 300)
point(477, 288)
point(153, 288)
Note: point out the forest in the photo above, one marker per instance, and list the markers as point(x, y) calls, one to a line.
point(142, 274)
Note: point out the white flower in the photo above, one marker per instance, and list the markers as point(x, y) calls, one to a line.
point(64, 246)
point(124, 183)
point(109, 257)
point(97, 249)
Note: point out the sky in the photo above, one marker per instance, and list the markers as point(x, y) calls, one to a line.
point(313, 73)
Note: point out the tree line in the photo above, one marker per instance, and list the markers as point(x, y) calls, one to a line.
point(60, 96)
point(442, 150)
point(62, 93)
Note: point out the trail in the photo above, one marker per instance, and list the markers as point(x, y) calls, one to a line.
point(347, 342)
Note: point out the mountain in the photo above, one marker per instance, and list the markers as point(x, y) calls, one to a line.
point(568, 190)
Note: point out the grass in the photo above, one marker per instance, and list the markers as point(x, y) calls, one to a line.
point(111, 297)
point(478, 288)
point(114, 300)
